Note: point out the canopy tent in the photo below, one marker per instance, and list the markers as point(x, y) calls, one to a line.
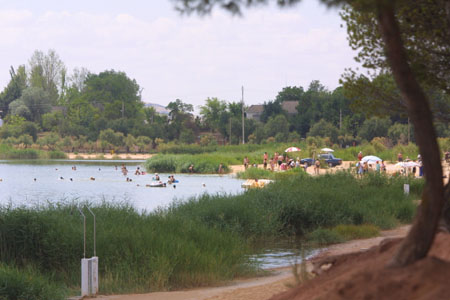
point(370, 159)
point(292, 149)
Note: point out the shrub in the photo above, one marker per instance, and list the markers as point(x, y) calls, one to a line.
point(56, 154)
point(27, 284)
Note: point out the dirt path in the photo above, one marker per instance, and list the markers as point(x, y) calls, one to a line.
point(262, 287)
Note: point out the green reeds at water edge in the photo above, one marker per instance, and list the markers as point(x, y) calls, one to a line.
point(299, 204)
point(9, 152)
point(202, 163)
point(137, 252)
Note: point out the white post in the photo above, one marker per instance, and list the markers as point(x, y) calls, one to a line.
point(406, 188)
point(84, 277)
point(94, 276)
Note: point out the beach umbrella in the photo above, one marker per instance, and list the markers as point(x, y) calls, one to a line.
point(407, 164)
point(292, 149)
point(370, 159)
point(327, 150)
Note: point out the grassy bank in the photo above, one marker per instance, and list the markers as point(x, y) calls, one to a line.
point(138, 253)
point(9, 152)
point(300, 203)
point(203, 163)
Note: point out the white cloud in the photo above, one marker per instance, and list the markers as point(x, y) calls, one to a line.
point(188, 58)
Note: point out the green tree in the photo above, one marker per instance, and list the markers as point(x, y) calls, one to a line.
point(398, 133)
point(33, 103)
point(14, 88)
point(187, 136)
point(180, 117)
point(374, 127)
point(130, 142)
point(325, 129)
point(214, 113)
point(114, 94)
point(277, 125)
point(47, 72)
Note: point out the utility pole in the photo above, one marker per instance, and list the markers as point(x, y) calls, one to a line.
point(243, 126)
point(230, 130)
point(123, 108)
point(409, 131)
point(340, 119)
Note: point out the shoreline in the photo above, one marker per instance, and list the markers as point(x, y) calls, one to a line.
point(258, 288)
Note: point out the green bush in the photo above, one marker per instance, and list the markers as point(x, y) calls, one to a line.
point(204, 163)
point(56, 154)
point(27, 284)
point(8, 152)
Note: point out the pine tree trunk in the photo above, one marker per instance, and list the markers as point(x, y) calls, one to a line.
point(419, 239)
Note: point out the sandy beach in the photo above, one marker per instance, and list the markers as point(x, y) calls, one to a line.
point(107, 156)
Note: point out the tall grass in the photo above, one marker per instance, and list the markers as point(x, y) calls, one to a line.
point(204, 163)
point(9, 152)
point(137, 252)
point(27, 284)
point(300, 204)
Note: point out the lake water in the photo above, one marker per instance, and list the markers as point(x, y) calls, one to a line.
point(56, 181)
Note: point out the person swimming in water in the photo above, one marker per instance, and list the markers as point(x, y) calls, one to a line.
point(157, 177)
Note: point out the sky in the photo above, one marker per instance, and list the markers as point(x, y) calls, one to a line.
point(182, 57)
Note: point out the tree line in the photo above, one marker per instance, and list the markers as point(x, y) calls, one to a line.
point(42, 104)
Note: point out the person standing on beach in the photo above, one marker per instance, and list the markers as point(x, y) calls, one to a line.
point(265, 158)
point(220, 170)
point(378, 167)
point(400, 157)
point(360, 156)
point(246, 162)
point(317, 167)
point(280, 159)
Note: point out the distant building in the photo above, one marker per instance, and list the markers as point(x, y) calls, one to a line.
point(290, 107)
point(255, 111)
point(158, 108)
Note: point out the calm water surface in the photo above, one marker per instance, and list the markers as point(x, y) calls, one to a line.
point(56, 181)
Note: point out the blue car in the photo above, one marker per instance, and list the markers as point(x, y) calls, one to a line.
point(329, 158)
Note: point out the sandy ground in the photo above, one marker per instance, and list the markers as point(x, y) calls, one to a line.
point(262, 287)
point(109, 156)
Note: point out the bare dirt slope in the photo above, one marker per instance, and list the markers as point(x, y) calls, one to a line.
point(364, 275)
